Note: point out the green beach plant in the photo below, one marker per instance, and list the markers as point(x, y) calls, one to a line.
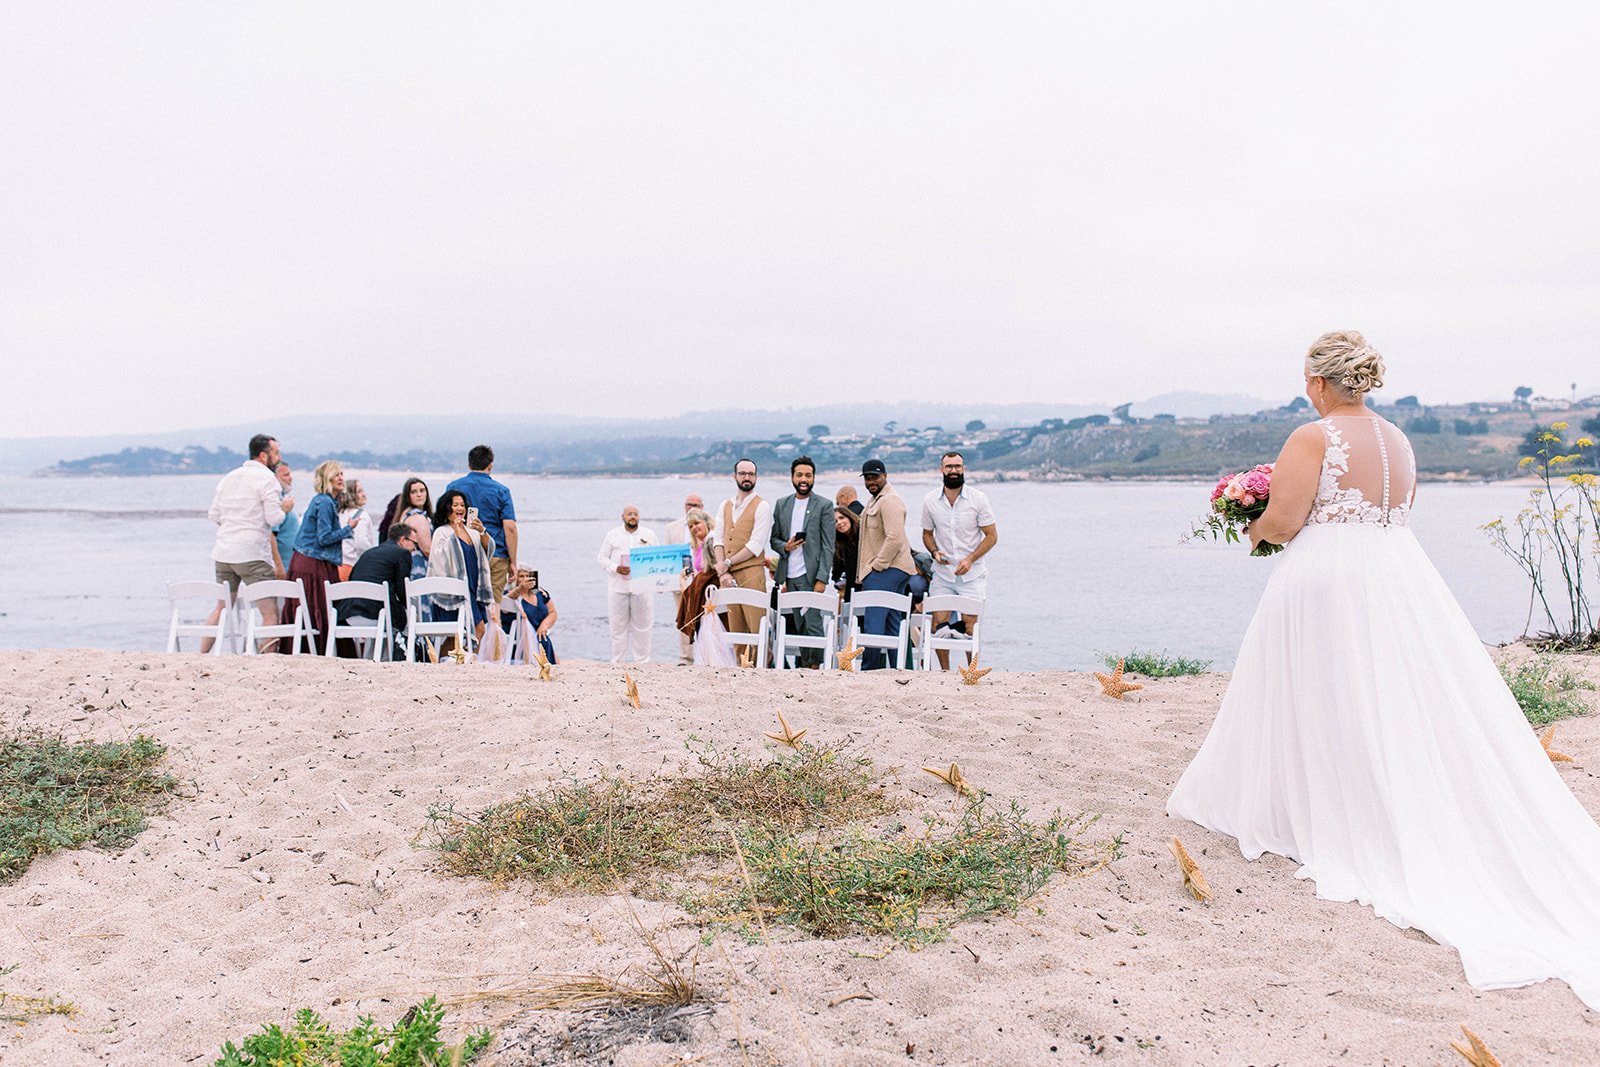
point(56, 794)
point(1555, 538)
point(1545, 691)
point(414, 1041)
point(1155, 664)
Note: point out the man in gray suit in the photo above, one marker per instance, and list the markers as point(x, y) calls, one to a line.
point(802, 535)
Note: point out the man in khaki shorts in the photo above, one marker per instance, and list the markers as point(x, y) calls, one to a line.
point(247, 506)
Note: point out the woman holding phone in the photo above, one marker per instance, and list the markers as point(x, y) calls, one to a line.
point(461, 549)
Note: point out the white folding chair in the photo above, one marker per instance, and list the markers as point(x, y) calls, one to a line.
point(458, 628)
point(515, 642)
point(971, 611)
point(183, 597)
point(860, 601)
point(828, 604)
point(362, 629)
point(721, 599)
point(297, 631)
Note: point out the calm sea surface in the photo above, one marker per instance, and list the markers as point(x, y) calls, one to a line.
point(1080, 568)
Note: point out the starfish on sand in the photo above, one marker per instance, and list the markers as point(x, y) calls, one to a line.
point(1555, 757)
point(546, 671)
point(459, 655)
point(1475, 1051)
point(1193, 880)
point(847, 658)
point(788, 737)
point(633, 689)
point(952, 778)
point(972, 675)
point(1112, 684)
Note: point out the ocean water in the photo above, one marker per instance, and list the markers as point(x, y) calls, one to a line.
point(1080, 569)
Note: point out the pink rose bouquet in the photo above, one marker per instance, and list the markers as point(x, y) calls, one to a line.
point(1237, 499)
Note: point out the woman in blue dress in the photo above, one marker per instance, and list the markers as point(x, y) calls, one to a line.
point(461, 550)
point(538, 609)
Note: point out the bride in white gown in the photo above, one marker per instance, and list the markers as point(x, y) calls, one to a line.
point(1367, 734)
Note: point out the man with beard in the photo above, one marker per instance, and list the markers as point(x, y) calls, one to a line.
point(744, 528)
point(632, 611)
point(958, 531)
point(883, 558)
point(802, 536)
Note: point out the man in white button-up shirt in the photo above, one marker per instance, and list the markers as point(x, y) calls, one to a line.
point(247, 507)
point(632, 611)
point(958, 530)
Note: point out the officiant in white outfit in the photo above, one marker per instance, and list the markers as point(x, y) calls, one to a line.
point(632, 611)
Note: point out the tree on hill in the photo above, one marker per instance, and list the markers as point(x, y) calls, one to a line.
point(1407, 402)
point(1124, 413)
point(975, 425)
point(1296, 406)
point(819, 430)
point(1521, 394)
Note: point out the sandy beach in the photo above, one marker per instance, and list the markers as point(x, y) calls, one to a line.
point(291, 873)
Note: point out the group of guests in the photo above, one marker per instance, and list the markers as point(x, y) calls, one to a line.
point(470, 533)
point(802, 543)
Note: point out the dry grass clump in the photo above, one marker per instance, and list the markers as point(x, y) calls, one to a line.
point(914, 887)
point(15, 1008)
point(809, 787)
point(802, 824)
point(581, 836)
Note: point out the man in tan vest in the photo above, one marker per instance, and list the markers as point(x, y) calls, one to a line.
point(739, 543)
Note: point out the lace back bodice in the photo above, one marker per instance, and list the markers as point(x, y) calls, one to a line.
point(1363, 478)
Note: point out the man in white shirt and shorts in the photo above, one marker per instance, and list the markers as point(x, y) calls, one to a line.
point(247, 506)
point(958, 531)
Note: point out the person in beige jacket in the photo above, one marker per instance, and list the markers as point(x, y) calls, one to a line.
point(883, 561)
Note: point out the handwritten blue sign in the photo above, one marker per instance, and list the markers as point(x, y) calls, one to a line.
point(657, 565)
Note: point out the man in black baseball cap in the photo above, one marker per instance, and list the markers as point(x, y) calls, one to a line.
point(883, 559)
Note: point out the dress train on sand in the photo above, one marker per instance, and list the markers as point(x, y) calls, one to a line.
point(1367, 734)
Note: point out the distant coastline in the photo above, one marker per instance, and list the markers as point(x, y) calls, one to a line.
point(1462, 443)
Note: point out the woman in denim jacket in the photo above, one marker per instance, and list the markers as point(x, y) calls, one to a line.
point(317, 548)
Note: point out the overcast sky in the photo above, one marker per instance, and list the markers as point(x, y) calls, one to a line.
point(216, 212)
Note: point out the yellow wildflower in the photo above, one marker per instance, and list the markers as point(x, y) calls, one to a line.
point(1558, 426)
point(1526, 461)
point(1584, 442)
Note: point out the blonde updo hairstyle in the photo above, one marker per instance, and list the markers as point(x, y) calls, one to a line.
point(1344, 359)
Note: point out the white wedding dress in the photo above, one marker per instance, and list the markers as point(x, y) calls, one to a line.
point(1367, 735)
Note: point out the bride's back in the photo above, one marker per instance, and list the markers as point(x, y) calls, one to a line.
point(1369, 474)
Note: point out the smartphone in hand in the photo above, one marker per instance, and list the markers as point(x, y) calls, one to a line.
point(472, 515)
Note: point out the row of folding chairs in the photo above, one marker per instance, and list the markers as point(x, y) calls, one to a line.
point(773, 634)
point(239, 628)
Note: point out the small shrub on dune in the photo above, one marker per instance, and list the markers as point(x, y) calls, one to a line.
point(56, 794)
point(1156, 664)
point(1545, 692)
point(310, 1042)
point(801, 827)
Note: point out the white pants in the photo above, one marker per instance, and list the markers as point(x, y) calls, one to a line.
point(632, 615)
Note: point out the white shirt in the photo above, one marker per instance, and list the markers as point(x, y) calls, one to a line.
point(246, 507)
point(614, 552)
point(956, 528)
point(797, 523)
point(363, 537)
point(760, 533)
